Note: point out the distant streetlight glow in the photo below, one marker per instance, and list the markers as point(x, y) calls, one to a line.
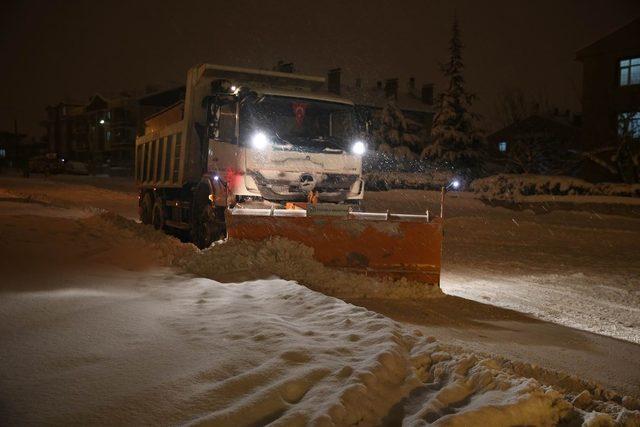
point(101, 121)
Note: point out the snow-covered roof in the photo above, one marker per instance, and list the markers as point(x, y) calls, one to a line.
point(558, 124)
point(376, 97)
point(245, 75)
point(619, 40)
point(320, 96)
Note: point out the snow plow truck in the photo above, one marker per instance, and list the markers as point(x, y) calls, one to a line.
point(252, 154)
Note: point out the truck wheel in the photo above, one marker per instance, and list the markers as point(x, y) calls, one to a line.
point(157, 215)
point(146, 209)
point(208, 226)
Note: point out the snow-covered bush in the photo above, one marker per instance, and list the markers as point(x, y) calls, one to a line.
point(404, 153)
point(385, 149)
point(504, 187)
point(382, 181)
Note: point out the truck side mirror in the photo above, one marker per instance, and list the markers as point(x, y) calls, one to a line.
point(213, 115)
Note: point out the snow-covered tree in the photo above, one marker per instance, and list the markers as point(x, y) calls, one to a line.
point(627, 154)
point(399, 133)
point(455, 140)
point(532, 156)
point(392, 125)
point(513, 106)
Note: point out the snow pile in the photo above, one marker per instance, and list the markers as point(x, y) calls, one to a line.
point(123, 236)
point(428, 180)
point(267, 351)
point(235, 259)
point(314, 360)
point(514, 187)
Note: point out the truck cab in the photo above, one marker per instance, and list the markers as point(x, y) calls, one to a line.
point(281, 146)
point(246, 136)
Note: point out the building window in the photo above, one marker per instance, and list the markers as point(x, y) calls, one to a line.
point(629, 124)
point(630, 71)
point(502, 146)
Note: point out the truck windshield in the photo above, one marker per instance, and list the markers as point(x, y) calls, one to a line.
point(298, 123)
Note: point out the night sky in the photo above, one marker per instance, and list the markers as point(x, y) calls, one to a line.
point(55, 50)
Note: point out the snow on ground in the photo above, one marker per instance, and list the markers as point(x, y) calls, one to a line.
point(571, 263)
point(114, 194)
point(94, 334)
point(579, 267)
point(515, 187)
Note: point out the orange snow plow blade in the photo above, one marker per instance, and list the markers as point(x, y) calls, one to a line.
point(380, 244)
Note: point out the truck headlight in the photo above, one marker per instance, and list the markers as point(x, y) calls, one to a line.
point(259, 141)
point(358, 148)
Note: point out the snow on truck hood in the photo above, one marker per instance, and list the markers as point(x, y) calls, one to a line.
point(297, 161)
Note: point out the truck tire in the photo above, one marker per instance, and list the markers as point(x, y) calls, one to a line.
point(146, 209)
point(208, 220)
point(157, 215)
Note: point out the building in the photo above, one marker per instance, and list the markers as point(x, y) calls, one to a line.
point(371, 100)
point(611, 87)
point(540, 143)
point(104, 129)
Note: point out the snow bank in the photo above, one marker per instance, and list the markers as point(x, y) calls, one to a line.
point(514, 187)
point(294, 261)
point(237, 260)
point(334, 364)
point(428, 180)
point(412, 382)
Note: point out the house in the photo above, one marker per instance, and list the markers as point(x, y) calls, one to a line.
point(370, 101)
point(539, 143)
point(611, 87)
point(104, 129)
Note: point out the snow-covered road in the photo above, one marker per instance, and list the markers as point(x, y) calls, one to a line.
point(96, 331)
point(94, 335)
point(578, 268)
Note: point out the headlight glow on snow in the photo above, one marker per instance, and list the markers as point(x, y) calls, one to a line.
point(358, 148)
point(259, 141)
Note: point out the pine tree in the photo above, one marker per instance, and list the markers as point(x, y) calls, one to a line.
point(392, 125)
point(455, 141)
